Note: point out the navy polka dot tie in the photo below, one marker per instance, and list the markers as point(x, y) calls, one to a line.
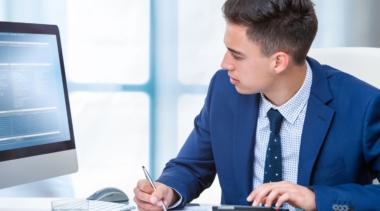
point(273, 160)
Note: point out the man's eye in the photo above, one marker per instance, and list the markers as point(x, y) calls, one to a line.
point(236, 57)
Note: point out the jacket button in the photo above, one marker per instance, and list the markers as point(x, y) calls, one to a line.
point(335, 207)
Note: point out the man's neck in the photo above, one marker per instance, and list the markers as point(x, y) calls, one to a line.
point(287, 85)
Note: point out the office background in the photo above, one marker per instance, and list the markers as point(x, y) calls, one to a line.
point(138, 72)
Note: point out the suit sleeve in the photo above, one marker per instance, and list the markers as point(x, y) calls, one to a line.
point(361, 197)
point(193, 170)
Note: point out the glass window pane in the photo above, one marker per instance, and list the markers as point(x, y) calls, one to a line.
point(112, 139)
point(108, 41)
point(200, 40)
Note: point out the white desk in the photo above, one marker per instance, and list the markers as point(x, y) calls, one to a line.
point(24, 204)
point(43, 204)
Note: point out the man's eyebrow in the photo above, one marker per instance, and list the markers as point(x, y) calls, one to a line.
point(235, 51)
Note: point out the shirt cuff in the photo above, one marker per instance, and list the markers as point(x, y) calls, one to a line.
point(178, 202)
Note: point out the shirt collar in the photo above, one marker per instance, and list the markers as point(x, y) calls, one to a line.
point(293, 107)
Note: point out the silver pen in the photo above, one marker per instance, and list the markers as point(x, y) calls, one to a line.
point(152, 184)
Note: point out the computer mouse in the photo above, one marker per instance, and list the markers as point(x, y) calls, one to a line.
point(109, 194)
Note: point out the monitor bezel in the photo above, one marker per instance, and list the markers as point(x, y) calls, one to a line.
point(13, 154)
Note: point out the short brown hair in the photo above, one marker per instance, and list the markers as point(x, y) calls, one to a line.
point(276, 25)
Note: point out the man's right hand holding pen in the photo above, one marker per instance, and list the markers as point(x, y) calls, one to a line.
point(148, 199)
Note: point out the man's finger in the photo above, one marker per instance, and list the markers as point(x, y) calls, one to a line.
point(147, 206)
point(261, 193)
point(142, 196)
point(271, 197)
point(283, 198)
point(144, 186)
point(159, 194)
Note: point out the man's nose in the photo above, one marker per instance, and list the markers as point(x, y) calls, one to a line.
point(226, 62)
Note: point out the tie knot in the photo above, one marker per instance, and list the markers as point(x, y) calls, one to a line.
point(275, 120)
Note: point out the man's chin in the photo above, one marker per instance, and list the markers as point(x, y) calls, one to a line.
point(244, 91)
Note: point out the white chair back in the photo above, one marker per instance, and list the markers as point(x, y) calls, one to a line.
point(360, 62)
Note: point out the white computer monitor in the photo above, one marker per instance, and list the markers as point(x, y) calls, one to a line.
point(36, 134)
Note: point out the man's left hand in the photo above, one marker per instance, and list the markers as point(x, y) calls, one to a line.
point(280, 192)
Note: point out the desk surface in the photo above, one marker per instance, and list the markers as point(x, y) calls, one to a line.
point(23, 204)
point(44, 204)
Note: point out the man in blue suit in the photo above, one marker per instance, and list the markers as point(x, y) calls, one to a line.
point(277, 127)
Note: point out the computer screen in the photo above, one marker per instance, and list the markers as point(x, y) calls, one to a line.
point(36, 135)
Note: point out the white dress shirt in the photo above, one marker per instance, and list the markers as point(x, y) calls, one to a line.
point(293, 111)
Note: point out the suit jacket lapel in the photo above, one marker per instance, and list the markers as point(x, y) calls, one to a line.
point(245, 120)
point(317, 122)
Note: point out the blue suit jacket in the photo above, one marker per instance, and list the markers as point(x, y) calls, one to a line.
point(340, 145)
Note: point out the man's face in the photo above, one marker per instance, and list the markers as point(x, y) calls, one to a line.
point(249, 70)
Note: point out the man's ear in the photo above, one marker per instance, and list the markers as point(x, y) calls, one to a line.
point(280, 61)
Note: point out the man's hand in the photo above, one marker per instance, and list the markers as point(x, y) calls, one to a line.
point(280, 192)
point(148, 199)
